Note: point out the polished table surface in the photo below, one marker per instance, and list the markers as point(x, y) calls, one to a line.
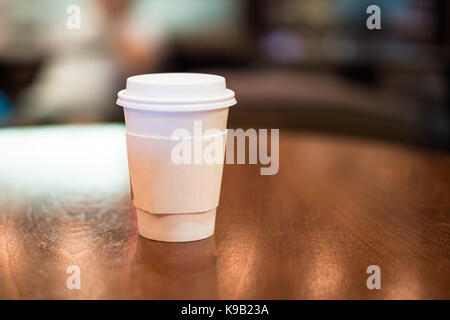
point(336, 206)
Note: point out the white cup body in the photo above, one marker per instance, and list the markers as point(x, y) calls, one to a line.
point(176, 227)
point(163, 124)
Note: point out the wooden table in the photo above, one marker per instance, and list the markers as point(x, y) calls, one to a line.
point(336, 206)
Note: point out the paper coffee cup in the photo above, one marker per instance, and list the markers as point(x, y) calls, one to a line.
point(176, 199)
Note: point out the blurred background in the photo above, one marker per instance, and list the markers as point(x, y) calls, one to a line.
point(294, 64)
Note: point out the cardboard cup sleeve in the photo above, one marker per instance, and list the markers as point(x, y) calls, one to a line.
point(175, 202)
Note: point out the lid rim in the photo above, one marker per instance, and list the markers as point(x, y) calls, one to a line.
point(176, 107)
point(123, 95)
point(141, 103)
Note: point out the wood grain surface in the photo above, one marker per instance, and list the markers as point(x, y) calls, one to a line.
point(336, 206)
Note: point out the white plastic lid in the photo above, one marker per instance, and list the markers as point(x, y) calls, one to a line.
point(176, 92)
